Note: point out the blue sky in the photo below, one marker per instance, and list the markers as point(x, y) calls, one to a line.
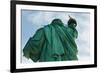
point(33, 20)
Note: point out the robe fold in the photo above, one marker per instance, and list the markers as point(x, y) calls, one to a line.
point(53, 42)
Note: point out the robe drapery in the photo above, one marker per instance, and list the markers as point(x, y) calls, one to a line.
point(53, 42)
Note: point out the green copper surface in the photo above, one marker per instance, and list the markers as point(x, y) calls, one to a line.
point(53, 42)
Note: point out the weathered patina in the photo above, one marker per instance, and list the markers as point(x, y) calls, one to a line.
point(53, 42)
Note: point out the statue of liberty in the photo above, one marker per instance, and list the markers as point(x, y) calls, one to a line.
point(53, 42)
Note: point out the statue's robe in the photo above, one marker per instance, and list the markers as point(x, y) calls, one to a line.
point(53, 42)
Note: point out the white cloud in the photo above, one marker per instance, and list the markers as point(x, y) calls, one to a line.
point(40, 19)
point(44, 18)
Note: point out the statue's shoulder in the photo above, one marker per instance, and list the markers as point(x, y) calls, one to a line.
point(40, 29)
point(47, 26)
point(44, 27)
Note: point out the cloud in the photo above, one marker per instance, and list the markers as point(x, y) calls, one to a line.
point(40, 18)
point(45, 18)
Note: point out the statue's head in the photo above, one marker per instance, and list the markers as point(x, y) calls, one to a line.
point(57, 22)
point(72, 22)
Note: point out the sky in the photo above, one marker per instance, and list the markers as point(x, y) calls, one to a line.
point(31, 20)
